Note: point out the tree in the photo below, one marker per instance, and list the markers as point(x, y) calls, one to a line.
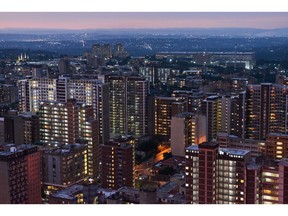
point(167, 155)
point(167, 171)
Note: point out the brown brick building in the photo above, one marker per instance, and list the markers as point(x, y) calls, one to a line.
point(117, 162)
point(20, 171)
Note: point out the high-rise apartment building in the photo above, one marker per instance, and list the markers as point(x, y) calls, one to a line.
point(117, 164)
point(237, 115)
point(69, 123)
point(192, 98)
point(7, 94)
point(164, 109)
point(64, 165)
point(219, 175)
point(276, 146)
point(21, 129)
point(256, 147)
point(87, 91)
point(211, 107)
point(128, 105)
point(94, 93)
point(33, 91)
point(270, 182)
point(266, 110)
point(163, 74)
point(20, 171)
point(225, 114)
point(238, 85)
point(64, 66)
point(200, 173)
point(2, 131)
point(30, 128)
point(283, 186)
point(148, 73)
point(13, 130)
point(187, 129)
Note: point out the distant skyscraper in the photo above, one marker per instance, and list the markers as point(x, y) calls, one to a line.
point(128, 105)
point(163, 75)
point(148, 73)
point(64, 66)
point(20, 171)
point(238, 85)
point(120, 51)
point(102, 51)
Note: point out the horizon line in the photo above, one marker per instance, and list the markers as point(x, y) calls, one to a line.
point(137, 28)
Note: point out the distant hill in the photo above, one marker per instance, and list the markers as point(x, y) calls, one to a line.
point(191, 32)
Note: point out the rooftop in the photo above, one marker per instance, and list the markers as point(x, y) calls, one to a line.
point(106, 192)
point(168, 187)
point(129, 190)
point(69, 192)
point(277, 134)
point(192, 148)
point(236, 152)
point(59, 149)
point(253, 166)
point(208, 145)
point(184, 114)
point(10, 149)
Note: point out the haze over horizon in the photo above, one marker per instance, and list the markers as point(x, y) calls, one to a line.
point(141, 20)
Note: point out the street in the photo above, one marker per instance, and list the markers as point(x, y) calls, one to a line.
point(144, 168)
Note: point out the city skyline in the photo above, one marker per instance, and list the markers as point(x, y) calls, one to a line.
point(144, 106)
point(114, 20)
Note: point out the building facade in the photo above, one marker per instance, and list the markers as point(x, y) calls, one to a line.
point(164, 109)
point(117, 164)
point(69, 123)
point(266, 110)
point(20, 170)
point(187, 129)
point(128, 105)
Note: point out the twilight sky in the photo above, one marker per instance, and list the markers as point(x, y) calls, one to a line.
point(106, 20)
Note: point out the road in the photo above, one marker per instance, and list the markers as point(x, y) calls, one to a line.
point(144, 168)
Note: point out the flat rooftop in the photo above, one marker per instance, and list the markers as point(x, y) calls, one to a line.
point(236, 152)
point(69, 192)
point(166, 188)
point(192, 148)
